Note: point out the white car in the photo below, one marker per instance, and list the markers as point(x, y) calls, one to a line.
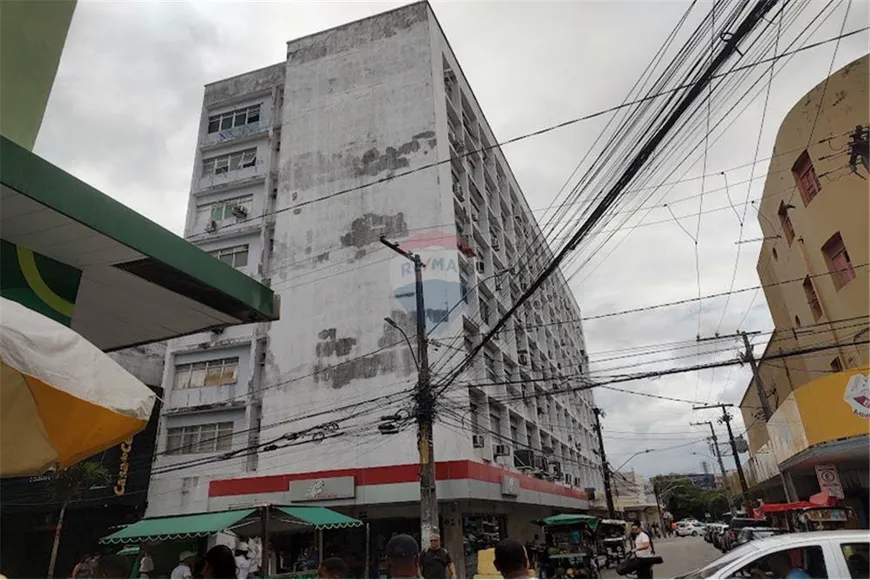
point(840, 554)
point(688, 528)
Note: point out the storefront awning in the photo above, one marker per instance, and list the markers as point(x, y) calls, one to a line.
point(320, 517)
point(115, 277)
point(569, 520)
point(177, 527)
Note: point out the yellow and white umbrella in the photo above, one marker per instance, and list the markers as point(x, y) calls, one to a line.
point(61, 398)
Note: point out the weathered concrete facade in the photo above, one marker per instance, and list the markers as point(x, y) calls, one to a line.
point(364, 132)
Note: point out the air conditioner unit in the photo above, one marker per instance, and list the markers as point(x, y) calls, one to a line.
point(211, 227)
point(457, 191)
point(495, 246)
point(240, 211)
point(523, 358)
point(524, 459)
point(502, 451)
point(480, 267)
point(477, 441)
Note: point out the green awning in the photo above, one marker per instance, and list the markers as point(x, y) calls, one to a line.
point(127, 281)
point(177, 527)
point(129, 551)
point(320, 517)
point(570, 520)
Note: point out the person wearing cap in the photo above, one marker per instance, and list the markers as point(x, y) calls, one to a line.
point(185, 561)
point(403, 556)
point(243, 564)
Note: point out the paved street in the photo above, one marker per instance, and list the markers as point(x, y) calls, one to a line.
point(680, 555)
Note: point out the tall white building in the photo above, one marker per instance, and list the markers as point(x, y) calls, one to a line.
point(300, 168)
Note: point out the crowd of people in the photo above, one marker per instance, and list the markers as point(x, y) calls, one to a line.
point(404, 558)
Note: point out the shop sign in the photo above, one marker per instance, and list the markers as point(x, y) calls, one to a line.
point(322, 489)
point(510, 485)
point(124, 467)
point(829, 480)
point(857, 394)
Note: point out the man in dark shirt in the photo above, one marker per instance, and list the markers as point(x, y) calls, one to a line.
point(435, 562)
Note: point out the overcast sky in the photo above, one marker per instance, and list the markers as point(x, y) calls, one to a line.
point(124, 112)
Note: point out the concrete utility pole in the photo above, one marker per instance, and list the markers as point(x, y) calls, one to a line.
point(726, 418)
point(605, 469)
point(749, 357)
point(721, 466)
point(425, 407)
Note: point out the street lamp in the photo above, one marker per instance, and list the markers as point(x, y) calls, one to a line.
point(632, 457)
point(393, 323)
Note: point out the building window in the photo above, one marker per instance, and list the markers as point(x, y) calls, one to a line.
point(836, 365)
point(235, 256)
point(223, 210)
point(812, 298)
point(775, 255)
point(229, 162)
point(207, 438)
point(805, 177)
point(837, 258)
point(785, 221)
point(797, 321)
point(223, 371)
point(237, 118)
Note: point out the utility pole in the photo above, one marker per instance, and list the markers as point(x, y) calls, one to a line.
point(721, 465)
point(726, 418)
point(749, 357)
point(425, 407)
point(605, 469)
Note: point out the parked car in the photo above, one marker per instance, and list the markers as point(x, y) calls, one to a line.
point(838, 554)
point(747, 535)
point(687, 528)
point(737, 524)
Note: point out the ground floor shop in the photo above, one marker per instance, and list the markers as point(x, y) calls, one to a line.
point(479, 504)
point(840, 467)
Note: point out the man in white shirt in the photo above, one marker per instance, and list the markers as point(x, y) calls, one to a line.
point(642, 544)
point(243, 564)
point(183, 570)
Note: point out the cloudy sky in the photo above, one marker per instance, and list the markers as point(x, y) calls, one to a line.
point(124, 111)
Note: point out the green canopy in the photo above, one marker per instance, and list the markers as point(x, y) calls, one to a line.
point(570, 520)
point(320, 517)
point(176, 527)
point(129, 551)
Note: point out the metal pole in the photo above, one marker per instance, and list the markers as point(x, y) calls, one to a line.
point(759, 384)
point(425, 406)
point(265, 557)
point(319, 547)
point(721, 466)
point(726, 418)
point(368, 550)
point(605, 471)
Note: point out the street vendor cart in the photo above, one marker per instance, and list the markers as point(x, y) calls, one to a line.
point(570, 546)
point(612, 541)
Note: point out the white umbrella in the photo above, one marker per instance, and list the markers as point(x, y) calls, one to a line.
point(61, 398)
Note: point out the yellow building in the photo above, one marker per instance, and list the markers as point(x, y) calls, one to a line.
point(813, 265)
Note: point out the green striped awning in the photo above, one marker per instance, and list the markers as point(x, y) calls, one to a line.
point(176, 527)
point(320, 517)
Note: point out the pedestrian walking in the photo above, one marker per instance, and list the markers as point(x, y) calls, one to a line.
point(243, 564)
point(219, 563)
point(435, 561)
point(184, 568)
point(511, 559)
point(641, 547)
point(332, 568)
point(403, 557)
